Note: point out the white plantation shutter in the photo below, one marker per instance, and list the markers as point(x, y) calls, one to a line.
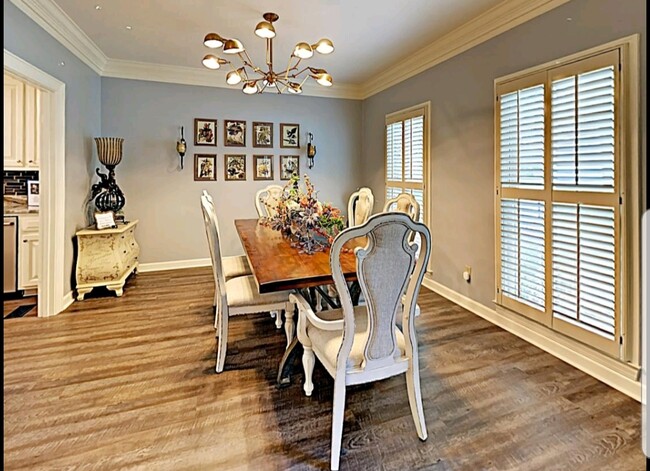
point(522, 138)
point(584, 276)
point(405, 154)
point(522, 251)
point(582, 129)
point(558, 245)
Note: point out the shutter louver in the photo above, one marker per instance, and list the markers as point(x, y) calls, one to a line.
point(584, 276)
point(582, 131)
point(522, 138)
point(523, 251)
point(394, 152)
point(414, 149)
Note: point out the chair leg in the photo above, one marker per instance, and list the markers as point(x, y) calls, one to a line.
point(222, 343)
point(289, 325)
point(319, 301)
point(308, 361)
point(415, 399)
point(278, 319)
point(338, 411)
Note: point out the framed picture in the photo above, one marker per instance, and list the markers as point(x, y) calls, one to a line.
point(289, 166)
point(33, 193)
point(263, 165)
point(205, 132)
point(235, 167)
point(234, 132)
point(205, 167)
point(289, 135)
point(262, 134)
point(105, 220)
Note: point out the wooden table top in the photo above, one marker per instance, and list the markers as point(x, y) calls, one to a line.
point(278, 266)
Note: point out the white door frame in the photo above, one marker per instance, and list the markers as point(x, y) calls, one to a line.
point(51, 296)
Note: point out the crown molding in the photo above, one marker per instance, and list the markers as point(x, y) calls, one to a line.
point(49, 16)
point(502, 17)
point(151, 72)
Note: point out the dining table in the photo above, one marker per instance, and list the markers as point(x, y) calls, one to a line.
point(279, 265)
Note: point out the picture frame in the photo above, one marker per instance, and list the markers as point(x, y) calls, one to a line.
point(262, 134)
point(262, 167)
point(289, 166)
point(234, 133)
point(33, 193)
point(205, 132)
point(290, 135)
point(205, 167)
point(235, 167)
point(105, 220)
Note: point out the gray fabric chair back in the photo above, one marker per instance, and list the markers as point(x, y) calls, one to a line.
point(390, 272)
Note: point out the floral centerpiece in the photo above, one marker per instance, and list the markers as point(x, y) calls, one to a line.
point(310, 224)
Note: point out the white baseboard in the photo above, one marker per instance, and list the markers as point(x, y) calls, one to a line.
point(68, 299)
point(619, 375)
point(174, 265)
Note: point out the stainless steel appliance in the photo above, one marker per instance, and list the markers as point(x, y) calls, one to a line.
point(10, 253)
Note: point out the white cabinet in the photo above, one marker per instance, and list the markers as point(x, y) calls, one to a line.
point(28, 252)
point(13, 122)
point(22, 103)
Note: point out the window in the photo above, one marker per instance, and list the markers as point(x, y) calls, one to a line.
point(559, 197)
point(406, 150)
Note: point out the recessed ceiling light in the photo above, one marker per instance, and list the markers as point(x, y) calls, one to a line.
point(569, 19)
point(129, 27)
point(98, 7)
point(62, 64)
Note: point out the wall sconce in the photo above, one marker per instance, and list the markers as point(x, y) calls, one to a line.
point(181, 147)
point(311, 151)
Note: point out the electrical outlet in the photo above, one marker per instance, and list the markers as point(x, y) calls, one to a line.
point(467, 274)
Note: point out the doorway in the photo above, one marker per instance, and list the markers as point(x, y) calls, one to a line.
point(51, 148)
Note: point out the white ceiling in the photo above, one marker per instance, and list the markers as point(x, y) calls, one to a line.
point(369, 35)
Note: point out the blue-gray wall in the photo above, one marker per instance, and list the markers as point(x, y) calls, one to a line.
point(31, 43)
point(165, 199)
point(461, 215)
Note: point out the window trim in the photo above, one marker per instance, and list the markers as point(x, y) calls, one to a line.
point(629, 180)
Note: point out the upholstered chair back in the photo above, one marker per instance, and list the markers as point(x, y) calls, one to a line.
point(267, 199)
point(390, 274)
point(360, 206)
point(404, 203)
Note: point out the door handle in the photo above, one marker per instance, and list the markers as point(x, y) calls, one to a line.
point(8, 223)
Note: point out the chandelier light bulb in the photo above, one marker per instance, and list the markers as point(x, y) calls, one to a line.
point(233, 46)
point(250, 88)
point(303, 51)
point(265, 30)
point(233, 77)
point(324, 46)
point(294, 88)
point(211, 62)
point(324, 79)
point(213, 40)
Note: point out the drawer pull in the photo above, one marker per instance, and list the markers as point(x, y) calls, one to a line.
point(125, 251)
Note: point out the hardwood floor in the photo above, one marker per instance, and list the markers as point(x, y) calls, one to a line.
point(129, 383)
point(9, 305)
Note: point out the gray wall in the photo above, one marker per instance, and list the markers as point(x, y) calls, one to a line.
point(165, 200)
point(30, 42)
point(462, 127)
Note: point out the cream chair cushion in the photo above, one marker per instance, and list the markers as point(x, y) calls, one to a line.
point(235, 266)
point(326, 343)
point(242, 292)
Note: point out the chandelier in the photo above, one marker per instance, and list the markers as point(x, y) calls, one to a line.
point(257, 80)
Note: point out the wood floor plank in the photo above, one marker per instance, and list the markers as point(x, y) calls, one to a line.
point(129, 383)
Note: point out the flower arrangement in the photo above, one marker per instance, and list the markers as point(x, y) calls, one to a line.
point(311, 224)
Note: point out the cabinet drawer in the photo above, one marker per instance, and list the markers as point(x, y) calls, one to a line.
point(28, 223)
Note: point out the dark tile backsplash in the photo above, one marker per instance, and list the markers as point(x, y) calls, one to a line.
point(15, 182)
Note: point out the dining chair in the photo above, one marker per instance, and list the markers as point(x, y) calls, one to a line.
point(266, 199)
point(404, 203)
point(238, 295)
point(360, 206)
point(364, 343)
